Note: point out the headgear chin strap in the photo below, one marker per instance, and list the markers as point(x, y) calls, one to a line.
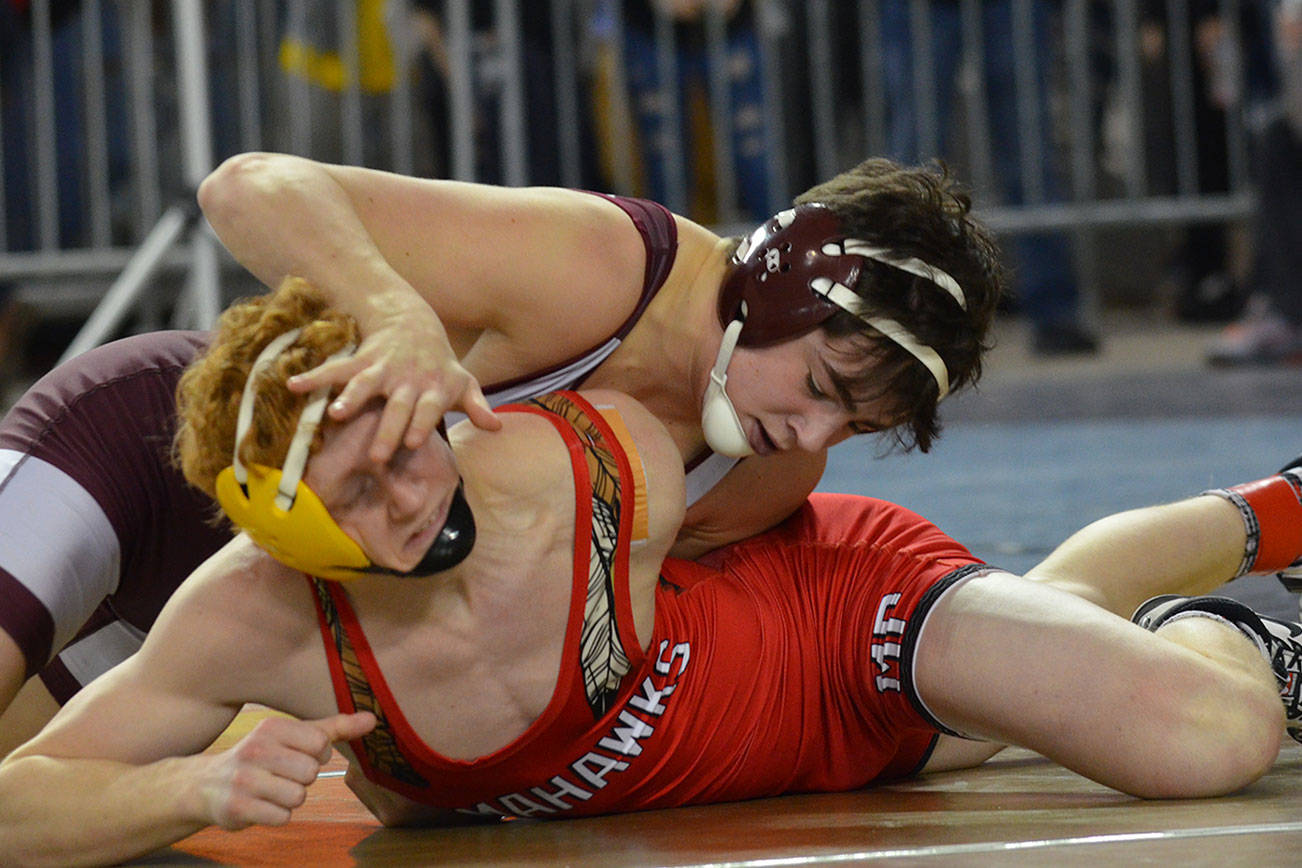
point(790, 275)
point(286, 517)
point(719, 421)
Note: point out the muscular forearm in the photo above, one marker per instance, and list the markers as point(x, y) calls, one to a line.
point(1190, 547)
point(281, 215)
point(93, 812)
point(755, 495)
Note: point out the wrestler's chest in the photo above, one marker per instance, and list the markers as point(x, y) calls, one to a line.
point(469, 695)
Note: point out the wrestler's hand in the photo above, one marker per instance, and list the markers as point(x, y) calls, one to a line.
point(265, 776)
point(406, 358)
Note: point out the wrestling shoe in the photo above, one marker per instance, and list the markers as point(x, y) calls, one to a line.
point(1291, 578)
point(1280, 641)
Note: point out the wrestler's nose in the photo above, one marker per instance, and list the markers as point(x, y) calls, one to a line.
point(406, 491)
point(816, 429)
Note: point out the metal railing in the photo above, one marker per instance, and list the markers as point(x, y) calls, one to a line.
point(100, 136)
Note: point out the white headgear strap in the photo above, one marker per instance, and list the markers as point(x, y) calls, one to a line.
point(296, 456)
point(852, 303)
point(719, 421)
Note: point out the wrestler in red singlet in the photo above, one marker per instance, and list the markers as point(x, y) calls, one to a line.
point(787, 671)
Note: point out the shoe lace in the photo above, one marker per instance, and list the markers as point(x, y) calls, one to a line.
point(1286, 660)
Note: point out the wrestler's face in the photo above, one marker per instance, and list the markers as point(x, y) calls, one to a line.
point(392, 509)
point(793, 395)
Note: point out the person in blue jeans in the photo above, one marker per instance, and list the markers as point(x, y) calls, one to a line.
point(651, 106)
point(1041, 262)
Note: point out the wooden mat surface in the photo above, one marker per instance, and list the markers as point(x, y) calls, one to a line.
point(1016, 810)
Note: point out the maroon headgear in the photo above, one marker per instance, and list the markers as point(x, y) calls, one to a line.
point(790, 275)
point(773, 271)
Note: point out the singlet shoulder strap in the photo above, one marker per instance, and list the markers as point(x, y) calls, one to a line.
point(378, 750)
point(659, 231)
point(611, 506)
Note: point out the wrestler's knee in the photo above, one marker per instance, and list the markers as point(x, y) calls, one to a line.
point(26, 715)
point(1219, 732)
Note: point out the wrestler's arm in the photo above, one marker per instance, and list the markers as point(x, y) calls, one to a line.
point(428, 267)
point(756, 494)
point(119, 772)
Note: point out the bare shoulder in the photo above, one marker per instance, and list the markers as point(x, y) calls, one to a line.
point(577, 230)
point(651, 446)
point(241, 615)
point(581, 248)
point(525, 458)
point(528, 458)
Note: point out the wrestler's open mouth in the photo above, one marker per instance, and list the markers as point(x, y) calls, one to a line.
point(422, 539)
point(761, 442)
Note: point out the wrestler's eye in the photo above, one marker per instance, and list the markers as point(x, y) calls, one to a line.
point(862, 428)
point(359, 487)
point(812, 385)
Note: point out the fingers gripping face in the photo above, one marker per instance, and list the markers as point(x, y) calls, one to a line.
point(265, 776)
point(408, 362)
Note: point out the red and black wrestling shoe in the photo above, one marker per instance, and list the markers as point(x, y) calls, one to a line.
point(1280, 641)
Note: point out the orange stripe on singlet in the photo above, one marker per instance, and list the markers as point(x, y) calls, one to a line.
point(641, 529)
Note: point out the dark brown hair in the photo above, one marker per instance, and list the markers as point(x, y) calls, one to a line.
point(920, 212)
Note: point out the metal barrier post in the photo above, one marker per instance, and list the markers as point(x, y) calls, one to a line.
point(182, 218)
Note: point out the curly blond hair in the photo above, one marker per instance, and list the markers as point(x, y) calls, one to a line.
point(208, 394)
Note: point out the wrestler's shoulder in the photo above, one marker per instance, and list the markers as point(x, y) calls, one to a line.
point(530, 452)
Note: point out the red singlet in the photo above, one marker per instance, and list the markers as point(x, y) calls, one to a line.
point(782, 667)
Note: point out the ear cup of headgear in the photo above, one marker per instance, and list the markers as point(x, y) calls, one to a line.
point(773, 271)
point(303, 537)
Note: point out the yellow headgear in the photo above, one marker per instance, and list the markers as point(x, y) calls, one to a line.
point(275, 507)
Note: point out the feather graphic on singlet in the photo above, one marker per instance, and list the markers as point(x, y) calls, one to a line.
point(602, 660)
point(381, 747)
point(601, 654)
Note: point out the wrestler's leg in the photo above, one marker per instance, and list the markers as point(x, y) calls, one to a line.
point(29, 711)
point(13, 666)
point(1190, 547)
point(24, 708)
point(952, 753)
point(1187, 548)
point(1190, 710)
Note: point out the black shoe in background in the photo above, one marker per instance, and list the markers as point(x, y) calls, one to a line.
point(1063, 339)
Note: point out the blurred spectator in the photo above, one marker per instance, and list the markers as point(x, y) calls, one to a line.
point(1271, 329)
point(1224, 75)
point(652, 101)
point(538, 70)
point(17, 119)
point(1042, 265)
point(17, 94)
point(319, 71)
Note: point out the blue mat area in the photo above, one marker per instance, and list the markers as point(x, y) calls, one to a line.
point(1011, 491)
